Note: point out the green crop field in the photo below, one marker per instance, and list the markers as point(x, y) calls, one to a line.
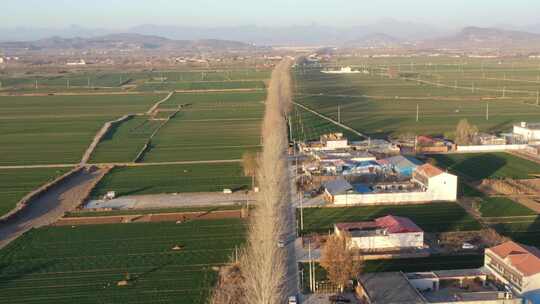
point(16, 183)
point(525, 230)
point(503, 207)
point(172, 178)
point(58, 129)
point(435, 217)
point(378, 105)
point(307, 126)
point(84, 264)
point(201, 85)
point(209, 126)
point(125, 140)
point(477, 166)
point(86, 212)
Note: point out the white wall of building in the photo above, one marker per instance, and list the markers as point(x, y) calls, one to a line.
point(381, 198)
point(528, 134)
point(443, 187)
point(393, 240)
point(490, 148)
point(337, 144)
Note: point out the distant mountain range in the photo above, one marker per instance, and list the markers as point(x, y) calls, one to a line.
point(124, 41)
point(386, 33)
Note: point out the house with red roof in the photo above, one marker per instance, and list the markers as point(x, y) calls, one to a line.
point(384, 233)
point(517, 266)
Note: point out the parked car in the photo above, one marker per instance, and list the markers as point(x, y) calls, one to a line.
point(281, 243)
point(466, 245)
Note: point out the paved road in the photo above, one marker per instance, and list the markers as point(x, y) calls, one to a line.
point(50, 206)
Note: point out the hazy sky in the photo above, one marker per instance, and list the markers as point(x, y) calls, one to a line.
point(126, 13)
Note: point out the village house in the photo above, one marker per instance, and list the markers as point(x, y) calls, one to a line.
point(529, 132)
point(428, 183)
point(516, 266)
point(384, 233)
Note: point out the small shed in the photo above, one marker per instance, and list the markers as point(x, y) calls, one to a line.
point(336, 187)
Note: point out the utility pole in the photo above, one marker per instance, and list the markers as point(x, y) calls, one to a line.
point(537, 97)
point(338, 114)
point(88, 82)
point(487, 110)
point(310, 266)
point(417, 111)
point(67, 83)
point(472, 87)
point(301, 204)
point(36, 84)
point(455, 84)
point(504, 92)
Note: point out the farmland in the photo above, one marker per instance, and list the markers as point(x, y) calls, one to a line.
point(125, 140)
point(436, 217)
point(380, 105)
point(503, 207)
point(477, 166)
point(307, 126)
point(201, 85)
point(57, 129)
point(172, 178)
point(16, 183)
point(84, 264)
point(209, 126)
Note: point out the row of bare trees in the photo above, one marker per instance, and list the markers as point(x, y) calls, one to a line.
point(262, 266)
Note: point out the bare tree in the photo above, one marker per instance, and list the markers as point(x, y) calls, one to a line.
point(227, 291)
point(262, 262)
point(465, 132)
point(250, 165)
point(337, 258)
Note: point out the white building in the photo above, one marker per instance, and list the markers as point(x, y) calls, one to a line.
point(517, 266)
point(428, 183)
point(529, 132)
point(384, 233)
point(1, 60)
point(343, 70)
point(75, 63)
point(334, 141)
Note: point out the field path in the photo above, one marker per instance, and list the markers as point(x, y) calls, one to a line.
point(51, 205)
point(330, 119)
point(128, 164)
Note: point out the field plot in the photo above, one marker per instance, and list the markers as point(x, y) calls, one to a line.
point(124, 141)
point(520, 229)
point(72, 81)
point(202, 85)
point(307, 126)
point(379, 105)
point(84, 264)
point(16, 183)
point(172, 178)
point(477, 166)
point(210, 126)
point(435, 217)
point(503, 207)
point(57, 129)
point(217, 75)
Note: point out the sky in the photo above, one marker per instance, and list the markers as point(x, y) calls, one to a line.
point(118, 14)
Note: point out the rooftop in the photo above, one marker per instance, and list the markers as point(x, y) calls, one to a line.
point(389, 288)
point(338, 186)
point(429, 170)
point(524, 258)
point(389, 223)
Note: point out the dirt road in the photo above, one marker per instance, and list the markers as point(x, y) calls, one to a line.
point(50, 206)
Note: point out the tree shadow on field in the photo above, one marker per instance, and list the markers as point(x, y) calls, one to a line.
point(8, 275)
point(109, 135)
point(479, 166)
point(135, 191)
